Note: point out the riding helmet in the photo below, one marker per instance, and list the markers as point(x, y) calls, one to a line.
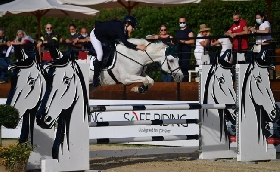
point(130, 20)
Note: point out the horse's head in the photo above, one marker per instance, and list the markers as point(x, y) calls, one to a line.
point(219, 86)
point(260, 91)
point(62, 93)
point(29, 85)
point(170, 63)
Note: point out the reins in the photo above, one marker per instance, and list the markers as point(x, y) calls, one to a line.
point(172, 71)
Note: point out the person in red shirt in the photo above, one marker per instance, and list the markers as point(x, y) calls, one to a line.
point(238, 32)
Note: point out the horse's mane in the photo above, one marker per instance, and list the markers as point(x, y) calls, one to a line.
point(78, 71)
point(258, 108)
point(151, 47)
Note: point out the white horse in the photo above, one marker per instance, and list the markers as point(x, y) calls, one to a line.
point(129, 65)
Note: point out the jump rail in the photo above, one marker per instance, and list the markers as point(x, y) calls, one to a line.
point(186, 106)
point(143, 139)
point(144, 122)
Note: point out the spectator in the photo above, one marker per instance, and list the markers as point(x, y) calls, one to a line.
point(226, 44)
point(240, 44)
point(183, 35)
point(23, 41)
point(72, 48)
point(200, 45)
point(165, 38)
point(262, 42)
point(50, 38)
point(4, 62)
point(163, 35)
point(83, 38)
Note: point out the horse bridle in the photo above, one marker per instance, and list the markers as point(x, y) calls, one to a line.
point(168, 65)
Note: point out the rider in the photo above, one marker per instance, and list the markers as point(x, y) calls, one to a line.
point(107, 32)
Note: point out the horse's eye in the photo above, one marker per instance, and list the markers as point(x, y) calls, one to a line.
point(221, 80)
point(66, 80)
point(31, 81)
point(258, 79)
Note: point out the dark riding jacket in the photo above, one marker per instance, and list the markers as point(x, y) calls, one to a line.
point(108, 32)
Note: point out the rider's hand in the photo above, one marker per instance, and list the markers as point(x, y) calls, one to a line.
point(141, 47)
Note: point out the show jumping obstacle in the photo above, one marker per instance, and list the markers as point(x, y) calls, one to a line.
point(65, 107)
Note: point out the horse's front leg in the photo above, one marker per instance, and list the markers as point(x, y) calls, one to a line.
point(147, 83)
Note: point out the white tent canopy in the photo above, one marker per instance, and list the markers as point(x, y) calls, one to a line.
point(48, 7)
point(128, 4)
point(51, 8)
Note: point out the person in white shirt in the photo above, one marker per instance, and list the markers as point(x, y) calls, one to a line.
point(262, 42)
point(226, 44)
point(200, 44)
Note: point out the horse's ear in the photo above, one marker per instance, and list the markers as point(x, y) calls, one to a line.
point(170, 58)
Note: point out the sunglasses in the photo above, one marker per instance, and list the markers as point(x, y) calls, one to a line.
point(182, 22)
point(49, 28)
point(163, 30)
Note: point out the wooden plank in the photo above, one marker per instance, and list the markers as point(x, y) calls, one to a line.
point(160, 91)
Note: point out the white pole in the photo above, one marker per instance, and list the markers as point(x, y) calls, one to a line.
point(143, 122)
point(143, 139)
point(193, 106)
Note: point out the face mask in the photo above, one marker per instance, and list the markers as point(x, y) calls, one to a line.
point(84, 35)
point(73, 33)
point(49, 32)
point(182, 25)
point(259, 21)
point(236, 22)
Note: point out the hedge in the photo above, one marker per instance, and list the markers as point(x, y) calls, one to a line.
point(216, 14)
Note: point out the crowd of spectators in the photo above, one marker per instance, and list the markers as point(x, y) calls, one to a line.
point(234, 44)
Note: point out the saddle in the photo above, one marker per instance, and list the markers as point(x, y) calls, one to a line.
point(109, 51)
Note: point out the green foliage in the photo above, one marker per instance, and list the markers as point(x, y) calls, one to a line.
point(216, 14)
point(15, 156)
point(9, 116)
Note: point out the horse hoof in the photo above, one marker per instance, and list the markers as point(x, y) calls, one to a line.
point(146, 82)
point(134, 89)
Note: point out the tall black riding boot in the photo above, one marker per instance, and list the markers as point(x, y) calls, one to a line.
point(97, 71)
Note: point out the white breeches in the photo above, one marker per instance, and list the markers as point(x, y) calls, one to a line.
point(96, 45)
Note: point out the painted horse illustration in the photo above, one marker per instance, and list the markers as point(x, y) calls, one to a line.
point(61, 108)
point(257, 98)
point(219, 90)
point(128, 65)
point(26, 93)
